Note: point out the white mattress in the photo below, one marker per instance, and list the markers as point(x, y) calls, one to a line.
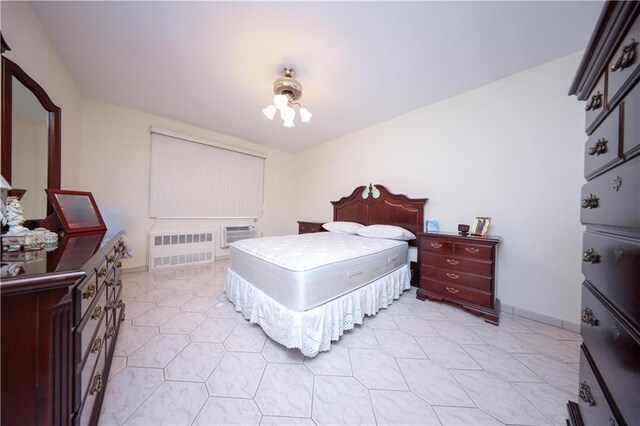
point(304, 271)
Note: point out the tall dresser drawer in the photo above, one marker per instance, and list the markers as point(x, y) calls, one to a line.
point(458, 264)
point(612, 265)
point(455, 277)
point(595, 104)
point(614, 350)
point(624, 62)
point(594, 407)
point(602, 147)
point(631, 123)
point(613, 198)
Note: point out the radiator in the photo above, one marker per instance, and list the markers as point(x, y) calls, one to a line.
point(230, 234)
point(168, 250)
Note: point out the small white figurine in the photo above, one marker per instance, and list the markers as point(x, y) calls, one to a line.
point(4, 189)
point(15, 216)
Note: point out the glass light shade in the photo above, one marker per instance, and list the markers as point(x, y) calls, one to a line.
point(270, 111)
point(287, 114)
point(305, 115)
point(281, 101)
point(288, 123)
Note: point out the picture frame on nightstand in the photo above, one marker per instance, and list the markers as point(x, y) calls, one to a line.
point(480, 227)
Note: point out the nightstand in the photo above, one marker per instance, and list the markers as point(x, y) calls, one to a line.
point(460, 270)
point(310, 227)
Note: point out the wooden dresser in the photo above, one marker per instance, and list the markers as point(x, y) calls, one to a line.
point(607, 80)
point(310, 227)
point(60, 320)
point(461, 270)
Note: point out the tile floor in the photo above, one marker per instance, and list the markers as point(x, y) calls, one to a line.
point(185, 357)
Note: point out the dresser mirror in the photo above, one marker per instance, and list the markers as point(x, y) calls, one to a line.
point(30, 139)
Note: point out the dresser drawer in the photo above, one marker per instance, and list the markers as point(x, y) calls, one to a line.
point(631, 123)
point(102, 270)
point(457, 292)
point(595, 104)
point(615, 350)
point(458, 264)
point(459, 278)
point(612, 265)
point(624, 62)
point(98, 350)
point(97, 384)
point(613, 198)
point(85, 332)
point(83, 296)
point(602, 147)
point(437, 245)
point(476, 251)
point(594, 407)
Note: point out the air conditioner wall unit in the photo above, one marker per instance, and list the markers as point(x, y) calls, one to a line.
point(232, 233)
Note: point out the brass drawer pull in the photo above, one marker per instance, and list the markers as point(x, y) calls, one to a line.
point(97, 345)
point(472, 250)
point(585, 393)
point(119, 265)
point(600, 147)
point(97, 313)
point(119, 283)
point(617, 183)
point(97, 384)
point(436, 245)
point(452, 290)
point(90, 292)
point(595, 102)
point(103, 272)
point(452, 261)
point(111, 258)
point(617, 253)
point(591, 256)
point(453, 276)
point(120, 304)
point(591, 202)
point(589, 318)
point(626, 57)
point(111, 282)
point(111, 305)
point(111, 332)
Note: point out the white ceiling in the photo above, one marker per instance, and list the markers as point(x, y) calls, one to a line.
point(213, 64)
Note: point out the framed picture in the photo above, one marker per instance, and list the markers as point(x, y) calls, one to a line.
point(76, 210)
point(480, 227)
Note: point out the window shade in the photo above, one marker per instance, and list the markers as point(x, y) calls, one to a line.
point(193, 178)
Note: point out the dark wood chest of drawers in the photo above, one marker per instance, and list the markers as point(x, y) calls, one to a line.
point(607, 81)
point(60, 322)
point(310, 227)
point(461, 270)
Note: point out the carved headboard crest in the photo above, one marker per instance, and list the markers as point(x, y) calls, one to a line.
point(386, 208)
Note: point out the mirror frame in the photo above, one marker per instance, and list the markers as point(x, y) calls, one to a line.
point(9, 71)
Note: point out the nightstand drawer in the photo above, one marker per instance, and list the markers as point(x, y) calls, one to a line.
point(458, 292)
point(437, 246)
point(458, 264)
point(459, 278)
point(594, 105)
point(477, 251)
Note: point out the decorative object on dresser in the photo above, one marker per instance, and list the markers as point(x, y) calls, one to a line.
point(480, 227)
point(463, 229)
point(309, 227)
point(460, 269)
point(76, 210)
point(60, 318)
point(607, 80)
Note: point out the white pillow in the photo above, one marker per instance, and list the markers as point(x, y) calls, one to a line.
point(342, 227)
point(389, 232)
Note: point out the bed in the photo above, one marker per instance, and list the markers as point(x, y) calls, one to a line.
point(306, 290)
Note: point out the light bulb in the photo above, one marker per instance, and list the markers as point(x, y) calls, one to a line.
point(288, 123)
point(281, 101)
point(287, 114)
point(305, 115)
point(270, 111)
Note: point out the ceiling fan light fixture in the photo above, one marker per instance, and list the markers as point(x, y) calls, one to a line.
point(287, 91)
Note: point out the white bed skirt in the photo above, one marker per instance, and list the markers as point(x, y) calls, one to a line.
point(312, 331)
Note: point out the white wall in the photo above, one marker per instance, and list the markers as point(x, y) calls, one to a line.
point(511, 150)
point(115, 166)
point(32, 50)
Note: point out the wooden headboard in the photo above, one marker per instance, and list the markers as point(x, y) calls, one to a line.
point(385, 209)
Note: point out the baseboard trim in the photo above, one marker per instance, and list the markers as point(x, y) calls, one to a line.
point(545, 319)
point(143, 268)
